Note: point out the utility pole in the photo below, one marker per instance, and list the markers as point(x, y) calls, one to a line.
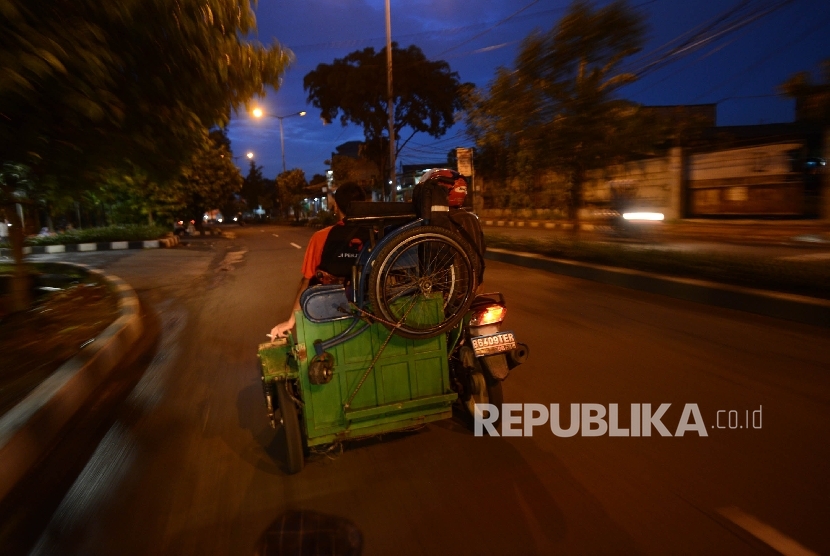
point(390, 99)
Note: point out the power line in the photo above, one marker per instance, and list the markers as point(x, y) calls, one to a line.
point(505, 20)
point(686, 66)
point(720, 27)
point(437, 146)
point(775, 51)
point(350, 43)
point(483, 49)
point(515, 15)
point(658, 53)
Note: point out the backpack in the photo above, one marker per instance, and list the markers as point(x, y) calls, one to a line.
point(431, 202)
point(342, 248)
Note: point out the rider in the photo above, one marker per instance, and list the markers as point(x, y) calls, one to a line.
point(329, 252)
point(465, 222)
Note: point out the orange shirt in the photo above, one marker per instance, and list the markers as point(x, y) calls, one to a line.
point(314, 251)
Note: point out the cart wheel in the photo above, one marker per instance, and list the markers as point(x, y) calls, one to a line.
point(413, 268)
point(291, 426)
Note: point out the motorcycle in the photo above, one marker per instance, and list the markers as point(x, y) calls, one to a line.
point(484, 354)
point(396, 347)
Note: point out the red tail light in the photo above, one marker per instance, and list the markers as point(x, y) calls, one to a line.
point(492, 314)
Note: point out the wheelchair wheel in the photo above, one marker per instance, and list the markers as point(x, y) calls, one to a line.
point(424, 281)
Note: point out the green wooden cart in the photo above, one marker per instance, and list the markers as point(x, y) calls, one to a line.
point(377, 382)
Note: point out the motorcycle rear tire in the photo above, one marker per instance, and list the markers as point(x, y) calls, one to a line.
point(490, 393)
point(295, 457)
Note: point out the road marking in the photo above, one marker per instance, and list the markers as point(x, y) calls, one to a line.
point(275, 235)
point(776, 539)
point(297, 246)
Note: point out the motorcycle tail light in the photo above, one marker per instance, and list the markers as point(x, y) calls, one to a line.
point(492, 314)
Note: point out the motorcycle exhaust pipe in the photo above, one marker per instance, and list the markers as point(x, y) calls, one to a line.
point(517, 356)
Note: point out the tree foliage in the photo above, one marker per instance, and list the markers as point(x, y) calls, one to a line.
point(558, 108)
point(88, 84)
point(291, 191)
point(253, 186)
point(427, 95)
point(211, 179)
point(812, 97)
point(359, 170)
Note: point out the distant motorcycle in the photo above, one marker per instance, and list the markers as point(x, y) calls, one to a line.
point(183, 227)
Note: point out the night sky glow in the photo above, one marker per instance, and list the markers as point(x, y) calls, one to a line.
point(734, 53)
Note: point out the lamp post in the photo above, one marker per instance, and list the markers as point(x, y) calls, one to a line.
point(390, 101)
point(258, 113)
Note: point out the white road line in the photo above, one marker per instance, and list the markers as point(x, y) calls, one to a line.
point(275, 235)
point(776, 539)
point(297, 246)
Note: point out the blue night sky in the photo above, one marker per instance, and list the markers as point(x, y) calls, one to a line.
point(739, 64)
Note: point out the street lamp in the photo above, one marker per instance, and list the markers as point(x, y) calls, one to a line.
point(258, 113)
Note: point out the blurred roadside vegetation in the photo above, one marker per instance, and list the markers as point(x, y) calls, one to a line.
point(803, 277)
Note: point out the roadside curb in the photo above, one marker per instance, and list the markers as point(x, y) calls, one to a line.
point(101, 246)
point(799, 308)
point(546, 224)
point(31, 427)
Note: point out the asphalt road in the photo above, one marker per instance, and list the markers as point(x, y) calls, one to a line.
point(191, 466)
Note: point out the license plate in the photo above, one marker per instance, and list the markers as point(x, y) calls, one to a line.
point(493, 343)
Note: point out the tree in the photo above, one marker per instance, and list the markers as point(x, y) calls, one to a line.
point(558, 109)
point(359, 170)
point(211, 179)
point(317, 179)
point(253, 186)
point(291, 191)
point(87, 84)
point(132, 196)
point(427, 95)
point(812, 99)
point(14, 186)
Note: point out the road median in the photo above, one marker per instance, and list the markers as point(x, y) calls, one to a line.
point(33, 426)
